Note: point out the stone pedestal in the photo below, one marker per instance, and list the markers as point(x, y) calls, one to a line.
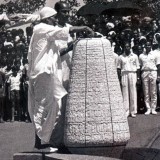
point(95, 115)
point(114, 152)
point(28, 156)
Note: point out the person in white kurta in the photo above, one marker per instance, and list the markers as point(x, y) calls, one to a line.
point(128, 65)
point(45, 81)
point(63, 10)
point(149, 62)
point(156, 41)
point(45, 72)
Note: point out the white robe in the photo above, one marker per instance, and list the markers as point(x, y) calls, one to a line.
point(45, 77)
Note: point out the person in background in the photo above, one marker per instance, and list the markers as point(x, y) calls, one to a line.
point(14, 81)
point(149, 63)
point(140, 95)
point(129, 75)
point(8, 108)
point(24, 91)
point(156, 51)
point(63, 9)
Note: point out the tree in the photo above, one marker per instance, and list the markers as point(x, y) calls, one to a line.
point(149, 6)
point(73, 4)
point(101, 1)
point(21, 6)
point(153, 5)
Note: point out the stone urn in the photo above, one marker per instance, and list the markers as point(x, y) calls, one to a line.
point(95, 114)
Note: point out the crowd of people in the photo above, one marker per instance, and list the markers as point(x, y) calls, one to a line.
point(133, 30)
point(136, 42)
point(13, 74)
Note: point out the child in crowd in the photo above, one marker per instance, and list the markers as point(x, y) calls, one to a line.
point(14, 81)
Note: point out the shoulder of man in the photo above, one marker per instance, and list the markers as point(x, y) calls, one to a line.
point(133, 54)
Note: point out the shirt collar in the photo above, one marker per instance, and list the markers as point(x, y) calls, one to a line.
point(131, 54)
point(148, 53)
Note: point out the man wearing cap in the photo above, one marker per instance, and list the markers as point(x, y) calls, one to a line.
point(45, 82)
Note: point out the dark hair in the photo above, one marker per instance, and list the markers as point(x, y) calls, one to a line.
point(61, 5)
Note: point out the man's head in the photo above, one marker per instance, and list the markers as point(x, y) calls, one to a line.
point(61, 6)
point(140, 49)
point(47, 15)
point(127, 48)
point(148, 46)
point(147, 21)
point(62, 9)
point(135, 34)
point(14, 70)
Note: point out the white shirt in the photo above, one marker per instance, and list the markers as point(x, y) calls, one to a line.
point(149, 61)
point(128, 63)
point(14, 82)
point(157, 53)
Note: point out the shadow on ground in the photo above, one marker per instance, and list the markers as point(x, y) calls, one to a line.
point(141, 154)
point(127, 154)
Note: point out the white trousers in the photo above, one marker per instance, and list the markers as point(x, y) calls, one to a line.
point(150, 89)
point(129, 92)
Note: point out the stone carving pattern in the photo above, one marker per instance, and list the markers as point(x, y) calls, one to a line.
point(95, 115)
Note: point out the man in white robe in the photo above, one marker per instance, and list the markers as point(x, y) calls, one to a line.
point(45, 84)
point(45, 78)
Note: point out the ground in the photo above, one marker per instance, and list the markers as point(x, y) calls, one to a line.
point(15, 137)
point(145, 130)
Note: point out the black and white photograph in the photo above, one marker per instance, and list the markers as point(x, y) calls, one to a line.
point(79, 80)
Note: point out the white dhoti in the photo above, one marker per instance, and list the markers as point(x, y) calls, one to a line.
point(150, 89)
point(129, 92)
point(44, 103)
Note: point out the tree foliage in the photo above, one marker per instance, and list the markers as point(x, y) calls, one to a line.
point(149, 6)
point(30, 6)
point(22, 6)
point(73, 5)
point(101, 1)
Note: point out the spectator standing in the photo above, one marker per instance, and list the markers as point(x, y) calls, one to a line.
point(149, 62)
point(156, 51)
point(128, 71)
point(14, 81)
point(24, 91)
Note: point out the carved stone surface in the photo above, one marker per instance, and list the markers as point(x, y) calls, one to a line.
point(95, 114)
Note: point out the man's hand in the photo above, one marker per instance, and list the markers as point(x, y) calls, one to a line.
point(90, 32)
point(86, 29)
